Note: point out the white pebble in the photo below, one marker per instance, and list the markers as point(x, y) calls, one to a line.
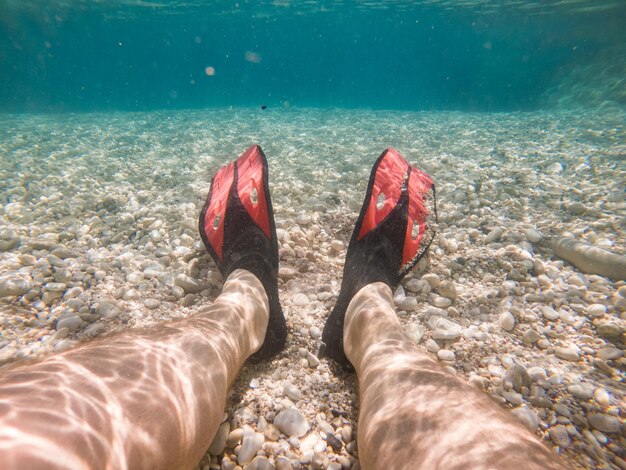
point(596, 310)
point(602, 396)
point(533, 236)
point(301, 300)
point(506, 320)
point(445, 355)
point(550, 313)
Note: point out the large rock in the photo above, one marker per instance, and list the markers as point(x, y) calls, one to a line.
point(591, 259)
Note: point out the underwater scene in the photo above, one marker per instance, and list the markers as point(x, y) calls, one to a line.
point(115, 116)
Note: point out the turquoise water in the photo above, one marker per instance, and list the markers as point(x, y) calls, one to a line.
point(78, 55)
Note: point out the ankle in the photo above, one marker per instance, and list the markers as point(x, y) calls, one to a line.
point(247, 300)
point(370, 319)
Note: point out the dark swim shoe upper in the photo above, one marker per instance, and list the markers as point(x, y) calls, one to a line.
point(237, 227)
point(393, 231)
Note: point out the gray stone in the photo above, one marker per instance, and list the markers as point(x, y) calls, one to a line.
point(577, 208)
point(188, 284)
point(135, 278)
point(315, 332)
point(494, 235)
point(609, 353)
point(249, 447)
point(444, 329)
point(291, 423)
point(64, 253)
point(95, 329)
point(533, 235)
point(609, 329)
point(431, 345)
point(301, 300)
point(602, 396)
point(441, 302)
point(530, 336)
point(292, 392)
point(428, 311)
point(272, 432)
point(234, 438)
point(152, 270)
point(581, 391)
point(605, 423)
point(413, 285)
point(312, 360)
point(562, 410)
point(447, 289)
point(596, 310)
point(549, 313)
point(189, 300)
point(527, 417)
point(333, 442)
point(72, 293)
point(55, 287)
point(513, 397)
point(71, 322)
point(41, 244)
point(569, 354)
point(415, 332)
point(282, 463)
point(219, 441)
point(433, 280)
point(286, 273)
point(559, 436)
point(7, 245)
point(152, 303)
point(537, 373)
point(408, 304)
point(518, 377)
point(337, 246)
point(107, 309)
point(260, 463)
point(506, 320)
point(445, 355)
point(399, 294)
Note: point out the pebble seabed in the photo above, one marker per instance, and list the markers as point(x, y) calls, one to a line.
point(98, 232)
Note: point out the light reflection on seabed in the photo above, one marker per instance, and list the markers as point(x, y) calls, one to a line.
point(414, 414)
point(150, 398)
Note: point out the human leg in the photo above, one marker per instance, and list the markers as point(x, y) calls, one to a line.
point(150, 398)
point(154, 398)
point(415, 415)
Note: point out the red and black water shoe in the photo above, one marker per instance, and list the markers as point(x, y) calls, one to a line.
point(393, 231)
point(238, 230)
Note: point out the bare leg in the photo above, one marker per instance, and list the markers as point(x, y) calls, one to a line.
point(143, 399)
point(414, 414)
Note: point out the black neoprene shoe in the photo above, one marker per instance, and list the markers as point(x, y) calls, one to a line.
point(394, 230)
point(237, 227)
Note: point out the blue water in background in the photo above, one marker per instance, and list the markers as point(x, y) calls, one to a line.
point(430, 55)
